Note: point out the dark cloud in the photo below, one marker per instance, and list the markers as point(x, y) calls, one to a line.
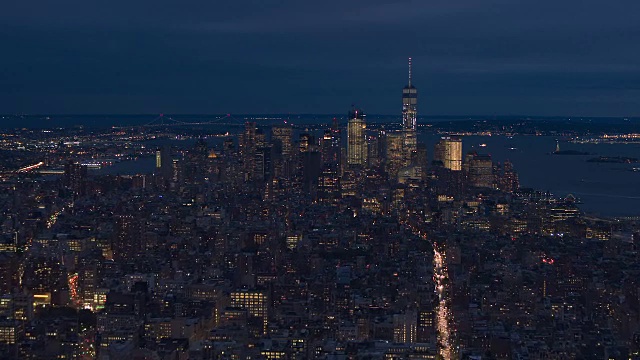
point(471, 57)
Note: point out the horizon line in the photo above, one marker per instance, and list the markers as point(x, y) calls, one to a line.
point(284, 115)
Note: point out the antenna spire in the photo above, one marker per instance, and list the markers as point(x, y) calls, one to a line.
point(409, 71)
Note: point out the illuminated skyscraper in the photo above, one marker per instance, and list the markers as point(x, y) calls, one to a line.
point(247, 149)
point(409, 118)
point(329, 181)
point(449, 152)
point(357, 141)
point(164, 163)
point(394, 153)
point(327, 148)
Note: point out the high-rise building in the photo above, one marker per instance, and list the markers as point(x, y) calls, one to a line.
point(126, 236)
point(8, 272)
point(480, 170)
point(373, 154)
point(262, 163)
point(248, 149)
point(329, 180)
point(331, 149)
point(409, 118)
point(260, 138)
point(448, 160)
point(421, 155)
point(248, 141)
point(508, 178)
point(284, 134)
point(329, 184)
point(261, 158)
point(282, 154)
point(75, 178)
point(357, 141)
point(327, 148)
point(405, 327)
point(382, 144)
point(394, 153)
point(311, 166)
point(426, 324)
point(164, 162)
point(87, 281)
point(449, 152)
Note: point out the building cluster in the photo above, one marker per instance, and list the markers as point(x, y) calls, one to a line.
point(283, 243)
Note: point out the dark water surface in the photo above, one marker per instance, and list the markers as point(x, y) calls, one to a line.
point(605, 189)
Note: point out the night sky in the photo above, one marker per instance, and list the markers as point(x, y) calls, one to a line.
point(489, 57)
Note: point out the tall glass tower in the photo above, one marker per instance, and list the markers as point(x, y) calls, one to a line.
point(356, 139)
point(449, 151)
point(409, 117)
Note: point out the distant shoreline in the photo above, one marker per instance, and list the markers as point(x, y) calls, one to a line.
point(614, 160)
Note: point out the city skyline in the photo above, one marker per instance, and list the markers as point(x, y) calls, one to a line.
point(296, 234)
point(319, 242)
